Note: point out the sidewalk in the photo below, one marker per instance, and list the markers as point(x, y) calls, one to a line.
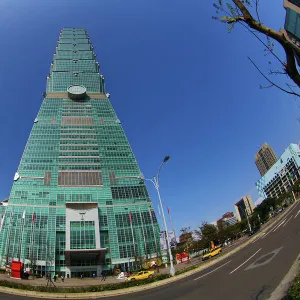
point(74, 282)
point(69, 282)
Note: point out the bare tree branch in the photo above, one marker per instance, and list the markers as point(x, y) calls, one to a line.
point(290, 65)
point(265, 87)
point(271, 82)
point(272, 52)
point(290, 88)
point(256, 9)
point(277, 72)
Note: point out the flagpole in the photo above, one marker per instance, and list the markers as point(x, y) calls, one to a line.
point(155, 241)
point(21, 236)
point(130, 221)
point(32, 236)
point(8, 236)
point(142, 223)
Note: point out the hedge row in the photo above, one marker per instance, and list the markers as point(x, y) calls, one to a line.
point(83, 289)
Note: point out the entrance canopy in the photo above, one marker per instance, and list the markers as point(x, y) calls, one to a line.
point(76, 255)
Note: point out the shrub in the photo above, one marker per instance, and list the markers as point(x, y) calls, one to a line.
point(186, 269)
point(83, 289)
point(294, 291)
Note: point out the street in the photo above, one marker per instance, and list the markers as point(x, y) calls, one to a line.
point(252, 273)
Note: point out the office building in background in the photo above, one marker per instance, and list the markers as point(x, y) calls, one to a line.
point(283, 174)
point(265, 158)
point(243, 208)
point(226, 220)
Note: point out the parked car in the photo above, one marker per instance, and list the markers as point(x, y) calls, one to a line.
point(140, 275)
point(254, 230)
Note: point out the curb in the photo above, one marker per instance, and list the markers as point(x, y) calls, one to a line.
point(93, 295)
point(281, 291)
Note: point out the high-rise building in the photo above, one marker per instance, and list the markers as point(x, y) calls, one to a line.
point(3, 206)
point(283, 174)
point(228, 215)
point(230, 220)
point(265, 158)
point(77, 204)
point(227, 219)
point(292, 25)
point(244, 208)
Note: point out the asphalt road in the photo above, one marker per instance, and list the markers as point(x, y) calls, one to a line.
point(252, 273)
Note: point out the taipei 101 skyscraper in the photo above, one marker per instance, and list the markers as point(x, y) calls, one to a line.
point(77, 205)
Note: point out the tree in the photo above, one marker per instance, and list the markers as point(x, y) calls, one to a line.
point(239, 12)
point(208, 233)
point(186, 238)
point(229, 232)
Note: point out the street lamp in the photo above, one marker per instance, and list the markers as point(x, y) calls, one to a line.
point(155, 181)
point(246, 214)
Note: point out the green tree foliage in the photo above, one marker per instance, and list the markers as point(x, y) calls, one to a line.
point(269, 205)
point(186, 239)
point(208, 233)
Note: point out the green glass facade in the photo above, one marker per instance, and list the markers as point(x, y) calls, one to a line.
point(77, 184)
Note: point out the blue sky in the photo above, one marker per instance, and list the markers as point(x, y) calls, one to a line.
point(180, 84)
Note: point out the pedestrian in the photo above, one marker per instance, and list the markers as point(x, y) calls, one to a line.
point(81, 276)
point(54, 278)
point(62, 278)
point(94, 275)
point(103, 274)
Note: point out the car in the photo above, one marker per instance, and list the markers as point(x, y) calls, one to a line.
point(253, 230)
point(140, 275)
point(213, 252)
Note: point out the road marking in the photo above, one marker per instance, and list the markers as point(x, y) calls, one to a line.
point(263, 260)
point(213, 270)
point(266, 234)
point(287, 220)
point(279, 225)
point(276, 225)
point(293, 208)
point(297, 214)
point(259, 237)
point(244, 262)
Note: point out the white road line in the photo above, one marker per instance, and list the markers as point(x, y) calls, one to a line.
point(279, 225)
point(258, 238)
point(287, 220)
point(266, 234)
point(244, 262)
point(293, 208)
point(213, 270)
point(297, 214)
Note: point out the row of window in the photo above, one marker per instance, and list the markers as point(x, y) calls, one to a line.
point(82, 235)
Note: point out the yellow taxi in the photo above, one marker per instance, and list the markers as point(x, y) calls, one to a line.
point(141, 275)
point(212, 253)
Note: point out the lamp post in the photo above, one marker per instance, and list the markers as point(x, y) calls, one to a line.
point(249, 225)
point(155, 181)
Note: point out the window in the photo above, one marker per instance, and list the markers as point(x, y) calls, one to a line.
point(82, 235)
point(80, 178)
point(129, 192)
